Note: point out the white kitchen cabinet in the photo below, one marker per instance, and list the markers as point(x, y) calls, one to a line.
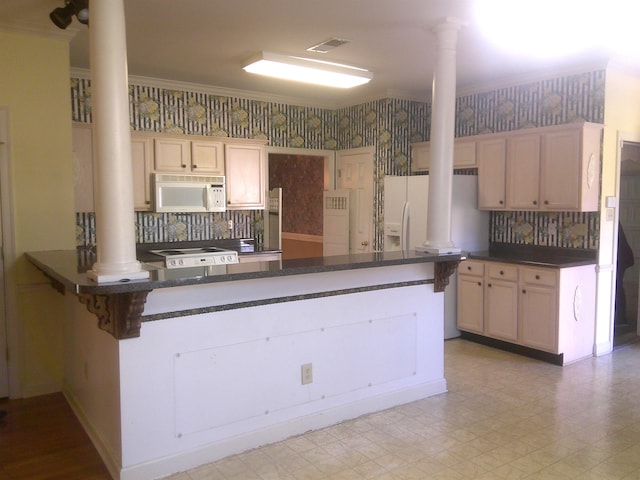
point(492, 160)
point(182, 155)
point(523, 172)
point(501, 302)
point(546, 309)
point(141, 159)
point(245, 176)
point(470, 286)
point(570, 168)
point(539, 309)
point(546, 169)
point(464, 155)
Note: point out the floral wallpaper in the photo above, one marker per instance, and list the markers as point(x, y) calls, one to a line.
point(301, 179)
point(390, 125)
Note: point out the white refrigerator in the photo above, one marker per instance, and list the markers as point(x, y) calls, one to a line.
point(405, 224)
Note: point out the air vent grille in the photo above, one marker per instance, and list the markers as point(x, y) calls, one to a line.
point(327, 45)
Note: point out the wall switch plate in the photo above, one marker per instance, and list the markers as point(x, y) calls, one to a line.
point(306, 371)
point(610, 215)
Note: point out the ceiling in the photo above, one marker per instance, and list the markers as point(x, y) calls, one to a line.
point(205, 42)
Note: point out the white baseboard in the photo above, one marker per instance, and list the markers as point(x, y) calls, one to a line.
point(189, 459)
point(302, 237)
point(105, 453)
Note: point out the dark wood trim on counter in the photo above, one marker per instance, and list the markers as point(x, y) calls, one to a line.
point(119, 314)
point(442, 273)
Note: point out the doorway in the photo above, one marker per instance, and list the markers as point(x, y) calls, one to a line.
point(302, 175)
point(626, 318)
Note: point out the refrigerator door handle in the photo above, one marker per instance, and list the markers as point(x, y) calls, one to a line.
point(404, 232)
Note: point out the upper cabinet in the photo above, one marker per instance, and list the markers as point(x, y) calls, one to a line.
point(464, 155)
point(492, 167)
point(545, 169)
point(245, 176)
point(182, 155)
point(241, 161)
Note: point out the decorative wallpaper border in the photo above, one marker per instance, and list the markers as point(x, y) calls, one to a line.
point(390, 125)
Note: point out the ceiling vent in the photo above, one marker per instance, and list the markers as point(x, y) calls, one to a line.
point(327, 45)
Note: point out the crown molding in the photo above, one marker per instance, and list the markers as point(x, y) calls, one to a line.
point(546, 74)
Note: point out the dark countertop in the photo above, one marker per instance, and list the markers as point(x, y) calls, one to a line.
point(67, 269)
point(551, 257)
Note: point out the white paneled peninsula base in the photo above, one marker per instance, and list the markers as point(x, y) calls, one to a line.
point(231, 361)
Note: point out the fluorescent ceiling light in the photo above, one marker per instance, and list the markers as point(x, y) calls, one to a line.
point(307, 70)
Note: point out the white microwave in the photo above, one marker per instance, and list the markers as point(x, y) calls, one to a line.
point(189, 193)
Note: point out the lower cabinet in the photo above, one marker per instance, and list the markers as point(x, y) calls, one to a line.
point(547, 309)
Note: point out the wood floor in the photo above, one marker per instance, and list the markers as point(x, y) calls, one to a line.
point(40, 438)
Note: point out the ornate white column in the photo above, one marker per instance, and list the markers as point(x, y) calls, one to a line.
point(443, 112)
point(113, 175)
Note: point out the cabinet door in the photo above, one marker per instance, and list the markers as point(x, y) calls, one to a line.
point(491, 158)
point(420, 157)
point(538, 317)
point(245, 176)
point(523, 172)
point(207, 157)
point(470, 303)
point(172, 155)
point(464, 154)
point(141, 162)
point(501, 312)
point(561, 170)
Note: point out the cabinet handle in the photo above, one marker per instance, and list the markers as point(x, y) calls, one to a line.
point(183, 166)
point(501, 272)
point(489, 285)
point(479, 284)
point(194, 166)
point(537, 277)
point(524, 291)
point(501, 202)
point(469, 268)
point(546, 202)
point(535, 202)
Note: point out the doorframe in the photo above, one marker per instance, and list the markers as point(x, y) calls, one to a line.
point(7, 283)
point(623, 137)
point(329, 162)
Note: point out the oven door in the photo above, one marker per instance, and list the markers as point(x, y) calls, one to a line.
point(181, 197)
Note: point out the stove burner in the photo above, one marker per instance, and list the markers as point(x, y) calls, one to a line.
point(170, 252)
point(212, 249)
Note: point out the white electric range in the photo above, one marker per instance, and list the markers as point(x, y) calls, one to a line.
point(196, 257)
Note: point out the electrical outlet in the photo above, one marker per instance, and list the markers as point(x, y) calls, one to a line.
point(306, 371)
point(230, 224)
point(610, 215)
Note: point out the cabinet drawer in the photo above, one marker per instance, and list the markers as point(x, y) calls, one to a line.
point(545, 277)
point(503, 272)
point(470, 267)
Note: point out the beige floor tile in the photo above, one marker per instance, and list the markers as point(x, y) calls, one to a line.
point(505, 417)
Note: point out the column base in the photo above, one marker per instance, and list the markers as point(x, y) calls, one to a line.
point(117, 277)
point(438, 250)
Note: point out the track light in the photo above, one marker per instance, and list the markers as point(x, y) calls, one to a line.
point(62, 16)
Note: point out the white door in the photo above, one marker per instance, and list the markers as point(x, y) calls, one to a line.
point(355, 172)
point(4, 161)
point(335, 222)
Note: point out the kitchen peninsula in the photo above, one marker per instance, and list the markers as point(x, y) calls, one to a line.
point(204, 363)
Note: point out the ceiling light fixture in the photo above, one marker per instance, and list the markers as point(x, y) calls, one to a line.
point(62, 16)
point(307, 70)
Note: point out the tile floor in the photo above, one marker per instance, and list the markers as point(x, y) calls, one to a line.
point(504, 417)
